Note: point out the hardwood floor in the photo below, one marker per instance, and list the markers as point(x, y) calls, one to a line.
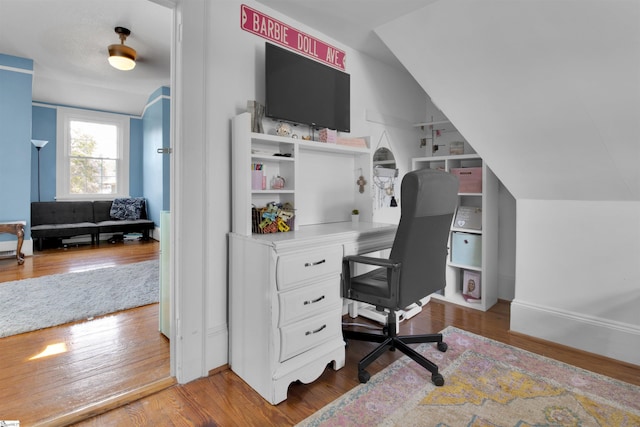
point(100, 362)
point(220, 399)
point(223, 399)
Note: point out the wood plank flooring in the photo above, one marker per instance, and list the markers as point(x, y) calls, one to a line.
point(222, 398)
point(108, 357)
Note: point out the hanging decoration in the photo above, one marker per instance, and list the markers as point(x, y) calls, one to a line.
point(384, 174)
point(361, 182)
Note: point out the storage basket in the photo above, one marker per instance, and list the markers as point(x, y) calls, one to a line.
point(280, 218)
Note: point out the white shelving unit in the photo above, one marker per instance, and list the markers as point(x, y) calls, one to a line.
point(487, 200)
point(283, 156)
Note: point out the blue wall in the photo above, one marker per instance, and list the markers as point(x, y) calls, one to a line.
point(16, 75)
point(136, 162)
point(21, 121)
point(44, 127)
point(156, 134)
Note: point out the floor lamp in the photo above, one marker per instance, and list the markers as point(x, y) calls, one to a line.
point(39, 143)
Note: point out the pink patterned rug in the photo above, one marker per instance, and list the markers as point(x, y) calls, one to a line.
point(487, 383)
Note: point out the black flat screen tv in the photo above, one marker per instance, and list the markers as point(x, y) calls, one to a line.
point(301, 90)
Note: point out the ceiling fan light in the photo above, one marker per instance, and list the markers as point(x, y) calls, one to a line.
point(121, 56)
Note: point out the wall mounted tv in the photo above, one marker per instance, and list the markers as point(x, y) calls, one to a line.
point(301, 90)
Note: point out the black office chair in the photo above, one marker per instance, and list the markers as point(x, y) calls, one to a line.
point(415, 268)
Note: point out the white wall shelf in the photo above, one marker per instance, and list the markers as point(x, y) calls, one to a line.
point(310, 169)
point(487, 200)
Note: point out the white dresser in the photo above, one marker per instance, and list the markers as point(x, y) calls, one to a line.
point(285, 304)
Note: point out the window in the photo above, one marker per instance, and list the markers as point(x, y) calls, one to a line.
point(92, 155)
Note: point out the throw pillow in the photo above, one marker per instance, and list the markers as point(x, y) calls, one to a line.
point(127, 208)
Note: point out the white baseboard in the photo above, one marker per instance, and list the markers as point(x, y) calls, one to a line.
point(595, 335)
point(8, 248)
point(217, 347)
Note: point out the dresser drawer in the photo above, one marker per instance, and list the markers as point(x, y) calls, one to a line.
point(306, 265)
point(309, 333)
point(306, 301)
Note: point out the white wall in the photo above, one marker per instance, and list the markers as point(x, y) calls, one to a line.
point(578, 268)
point(553, 83)
point(220, 69)
point(548, 94)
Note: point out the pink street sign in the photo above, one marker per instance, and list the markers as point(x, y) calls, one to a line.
point(278, 32)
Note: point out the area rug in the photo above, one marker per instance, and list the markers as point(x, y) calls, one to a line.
point(31, 304)
point(487, 383)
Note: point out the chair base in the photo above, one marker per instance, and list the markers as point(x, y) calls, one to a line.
point(392, 342)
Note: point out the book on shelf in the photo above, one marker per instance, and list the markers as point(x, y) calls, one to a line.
point(469, 217)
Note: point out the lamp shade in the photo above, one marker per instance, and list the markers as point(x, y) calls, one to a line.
point(122, 57)
point(39, 143)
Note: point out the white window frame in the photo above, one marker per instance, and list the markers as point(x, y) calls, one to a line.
point(64, 117)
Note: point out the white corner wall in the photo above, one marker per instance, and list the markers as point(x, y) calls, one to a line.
point(578, 269)
point(548, 94)
point(219, 68)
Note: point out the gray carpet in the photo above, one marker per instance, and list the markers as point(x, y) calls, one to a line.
point(31, 304)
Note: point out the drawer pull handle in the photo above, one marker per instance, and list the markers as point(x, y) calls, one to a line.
point(316, 331)
point(314, 300)
point(311, 264)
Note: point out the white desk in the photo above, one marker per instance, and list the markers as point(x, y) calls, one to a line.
point(285, 303)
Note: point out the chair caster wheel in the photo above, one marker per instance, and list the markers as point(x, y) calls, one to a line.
point(363, 376)
point(437, 379)
point(442, 346)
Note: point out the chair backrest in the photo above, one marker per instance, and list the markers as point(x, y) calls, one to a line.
point(428, 199)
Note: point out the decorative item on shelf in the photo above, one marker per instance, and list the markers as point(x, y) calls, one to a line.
point(471, 286)
point(456, 147)
point(469, 217)
point(355, 216)
point(328, 135)
point(258, 177)
point(306, 138)
point(283, 129)
point(275, 217)
point(277, 183)
point(257, 114)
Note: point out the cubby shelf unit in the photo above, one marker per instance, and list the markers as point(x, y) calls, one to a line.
point(488, 201)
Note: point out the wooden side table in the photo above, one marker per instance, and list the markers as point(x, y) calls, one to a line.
point(17, 228)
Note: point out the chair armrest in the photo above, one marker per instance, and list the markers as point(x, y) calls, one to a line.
point(380, 262)
point(390, 265)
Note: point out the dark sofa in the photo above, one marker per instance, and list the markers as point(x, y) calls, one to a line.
point(76, 218)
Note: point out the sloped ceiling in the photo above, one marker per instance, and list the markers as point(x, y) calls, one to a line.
point(68, 39)
point(547, 92)
point(351, 22)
